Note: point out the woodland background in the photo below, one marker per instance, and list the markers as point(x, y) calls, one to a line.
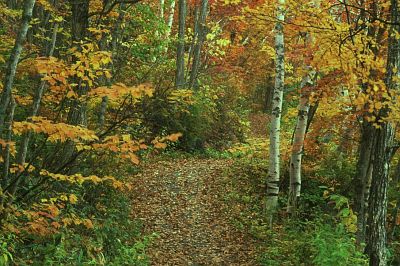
point(287, 111)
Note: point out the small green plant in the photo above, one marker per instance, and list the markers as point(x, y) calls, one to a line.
point(334, 246)
point(5, 255)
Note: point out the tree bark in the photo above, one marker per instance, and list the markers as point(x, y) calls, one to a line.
point(170, 19)
point(376, 234)
point(180, 54)
point(6, 154)
point(297, 148)
point(199, 44)
point(377, 207)
point(14, 58)
point(274, 152)
point(23, 147)
point(363, 176)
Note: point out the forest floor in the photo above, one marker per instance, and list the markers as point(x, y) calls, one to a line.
point(183, 201)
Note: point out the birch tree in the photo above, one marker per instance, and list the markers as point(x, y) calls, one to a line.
point(276, 113)
point(298, 144)
point(14, 58)
point(23, 148)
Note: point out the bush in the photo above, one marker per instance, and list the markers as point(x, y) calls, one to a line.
point(207, 118)
point(334, 246)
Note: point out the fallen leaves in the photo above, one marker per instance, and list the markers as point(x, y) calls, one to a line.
point(182, 200)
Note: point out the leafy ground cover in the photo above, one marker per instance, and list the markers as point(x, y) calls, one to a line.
point(182, 200)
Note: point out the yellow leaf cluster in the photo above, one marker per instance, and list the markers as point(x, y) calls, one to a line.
point(54, 131)
point(123, 146)
point(80, 179)
point(159, 143)
point(10, 144)
point(119, 90)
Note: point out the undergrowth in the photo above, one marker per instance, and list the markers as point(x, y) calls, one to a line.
point(314, 237)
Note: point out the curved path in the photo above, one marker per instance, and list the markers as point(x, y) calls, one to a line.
point(183, 201)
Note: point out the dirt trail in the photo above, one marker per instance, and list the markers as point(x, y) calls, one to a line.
point(182, 200)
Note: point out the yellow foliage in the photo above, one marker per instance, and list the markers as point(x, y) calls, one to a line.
point(120, 90)
point(55, 131)
point(80, 179)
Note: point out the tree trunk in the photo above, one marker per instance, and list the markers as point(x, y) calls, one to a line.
point(80, 19)
point(274, 153)
point(377, 206)
point(297, 148)
point(77, 114)
point(23, 148)
point(162, 6)
point(6, 154)
point(180, 54)
point(199, 44)
point(363, 174)
point(170, 19)
point(14, 58)
point(80, 24)
point(376, 235)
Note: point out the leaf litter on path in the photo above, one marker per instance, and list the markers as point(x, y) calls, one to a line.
point(182, 201)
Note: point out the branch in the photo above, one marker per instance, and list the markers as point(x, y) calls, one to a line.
point(374, 17)
point(106, 10)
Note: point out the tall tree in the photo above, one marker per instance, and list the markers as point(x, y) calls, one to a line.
point(14, 58)
point(383, 149)
point(201, 34)
point(298, 144)
point(180, 53)
point(276, 113)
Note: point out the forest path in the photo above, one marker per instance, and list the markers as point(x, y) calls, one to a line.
point(183, 201)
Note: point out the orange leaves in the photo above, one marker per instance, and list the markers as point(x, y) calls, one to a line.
point(122, 145)
point(173, 137)
point(10, 144)
point(55, 131)
point(119, 90)
point(159, 143)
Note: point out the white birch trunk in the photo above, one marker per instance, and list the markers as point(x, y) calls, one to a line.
point(170, 19)
point(274, 152)
point(297, 148)
point(162, 4)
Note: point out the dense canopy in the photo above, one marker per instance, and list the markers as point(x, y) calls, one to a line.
point(199, 132)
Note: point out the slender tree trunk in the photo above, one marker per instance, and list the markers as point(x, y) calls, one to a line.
point(6, 154)
point(170, 19)
point(297, 148)
point(199, 44)
point(196, 17)
point(180, 54)
point(14, 58)
point(102, 113)
point(363, 175)
point(77, 114)
point(80, 24)
point(23, 147)
point(274, 152)
point(162, 6)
